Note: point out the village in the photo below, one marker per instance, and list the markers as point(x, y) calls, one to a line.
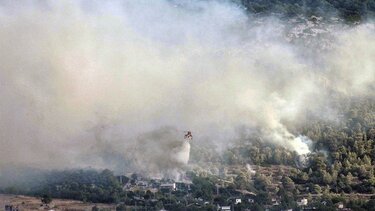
point(146, 192)
point(193, 192)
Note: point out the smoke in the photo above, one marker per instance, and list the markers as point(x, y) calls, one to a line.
point(250, 170)
point(93, 83)
point(163, 149)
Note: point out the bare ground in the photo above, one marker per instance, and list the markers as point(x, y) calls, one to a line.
point(25, 203)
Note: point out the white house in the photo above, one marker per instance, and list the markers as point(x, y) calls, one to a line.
point(168, 186)
point(302, 202)
point(225, 208)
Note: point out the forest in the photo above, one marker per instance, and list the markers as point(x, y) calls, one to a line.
point(340, 166)
point(350, 10)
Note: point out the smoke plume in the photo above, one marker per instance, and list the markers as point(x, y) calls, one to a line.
point(115, 83)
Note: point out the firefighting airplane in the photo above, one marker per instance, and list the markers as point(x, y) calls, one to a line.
point(188, 135)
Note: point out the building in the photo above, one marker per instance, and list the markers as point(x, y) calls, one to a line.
point(302, 202)
point(142, 184)
point(228, 208)
point(183, 186)
point(168, 187)
point(275, 202)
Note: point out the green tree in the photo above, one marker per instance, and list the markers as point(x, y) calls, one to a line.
point(288, 183)
point(46, 199)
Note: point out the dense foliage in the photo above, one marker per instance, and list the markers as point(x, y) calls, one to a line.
point(342, 162)
point(350, 10)
point(85, 185)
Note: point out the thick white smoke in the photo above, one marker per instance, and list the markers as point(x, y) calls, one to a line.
point(183, 154)
point(82, 82)
point(162, 152)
